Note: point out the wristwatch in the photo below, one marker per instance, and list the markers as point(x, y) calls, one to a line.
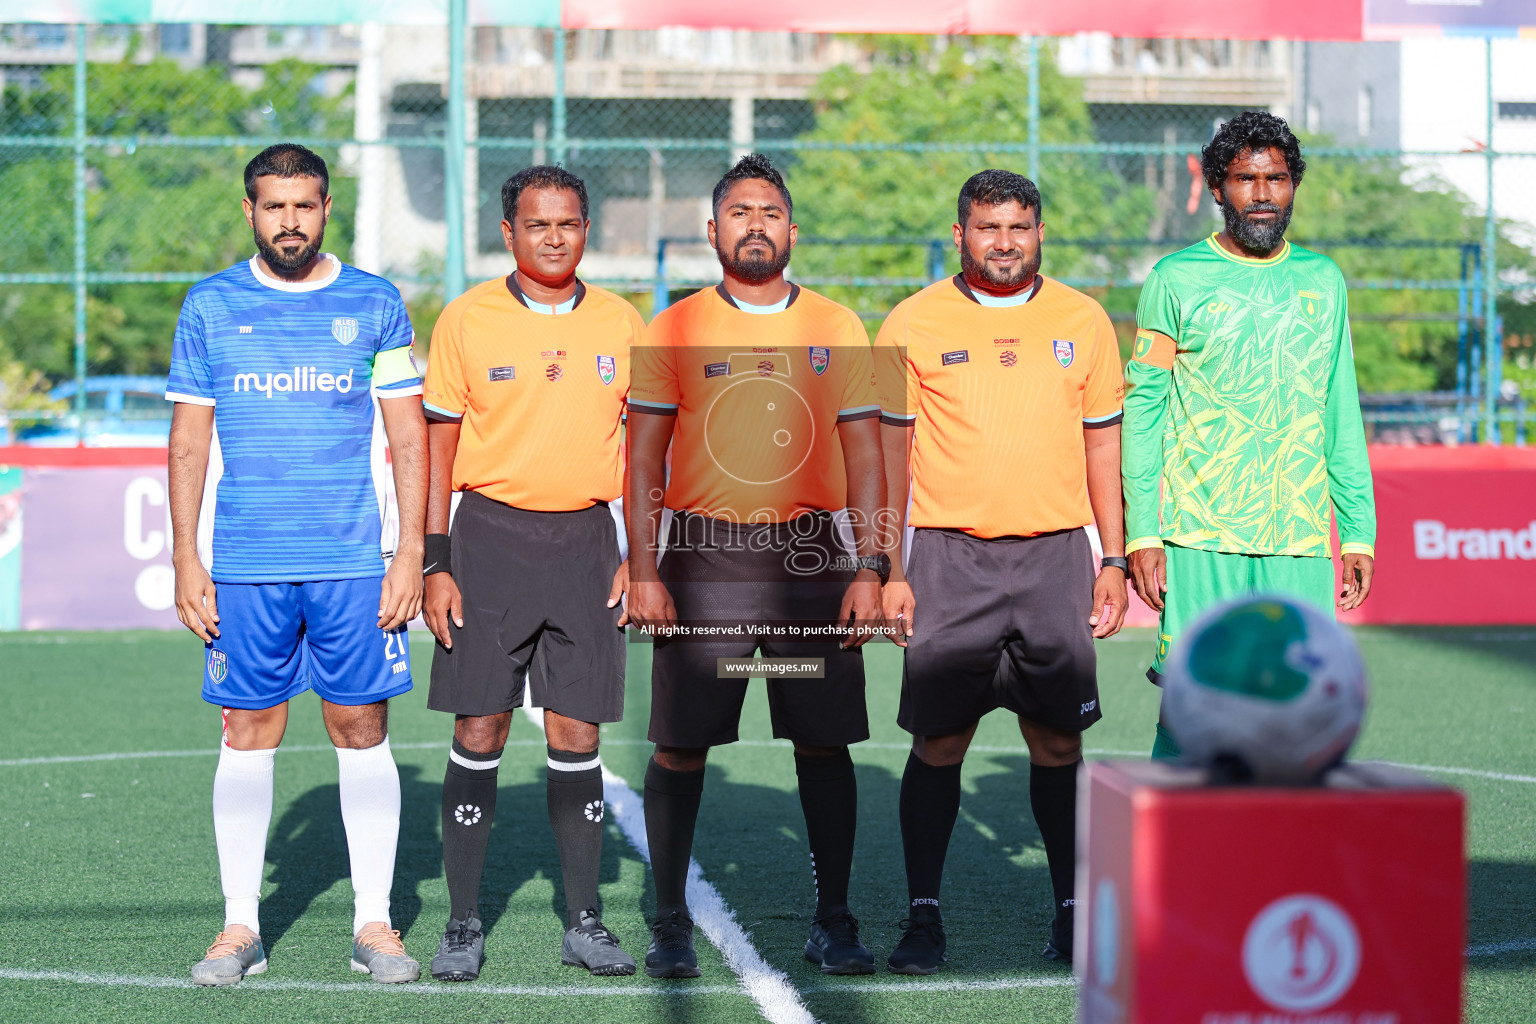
point(880, 563)
point(1116, 562)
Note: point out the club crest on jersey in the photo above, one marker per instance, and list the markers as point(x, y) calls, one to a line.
point(1310, 305)
point(344, 329)
point(820, 359)
point(606, 369)
point(1063, 350)
point(218, 666)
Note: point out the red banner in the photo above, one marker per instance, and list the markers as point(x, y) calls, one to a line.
point(1455, 537)
point(1197, 19)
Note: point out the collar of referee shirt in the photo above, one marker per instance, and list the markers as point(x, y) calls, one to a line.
point(517, 293)
point(794, 293)
point(965, 289)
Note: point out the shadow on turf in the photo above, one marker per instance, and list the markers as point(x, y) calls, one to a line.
point(751, 839)
point(308, 851)
point(1500, 895)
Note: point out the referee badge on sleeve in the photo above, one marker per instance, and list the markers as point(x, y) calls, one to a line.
point(605, 368)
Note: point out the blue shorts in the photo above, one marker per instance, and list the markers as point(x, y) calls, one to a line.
point(277, 640)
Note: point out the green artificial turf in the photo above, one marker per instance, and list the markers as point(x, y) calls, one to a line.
point(107, 867)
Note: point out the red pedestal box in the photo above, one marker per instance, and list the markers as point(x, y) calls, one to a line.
point(1343, 904)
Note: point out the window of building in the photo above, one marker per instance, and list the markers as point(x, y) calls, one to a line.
point(175, 38)
point(1517, 111)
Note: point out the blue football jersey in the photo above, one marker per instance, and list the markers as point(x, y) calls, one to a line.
point(293, 372)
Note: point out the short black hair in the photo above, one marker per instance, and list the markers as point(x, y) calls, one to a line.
point(286, 160)
point(1252, 130)
point(994, 187)
point(541, 176)
point(752, 167)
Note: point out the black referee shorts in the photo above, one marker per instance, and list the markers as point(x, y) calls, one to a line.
point(999, 623)
point(758, 576)
point(535, 588)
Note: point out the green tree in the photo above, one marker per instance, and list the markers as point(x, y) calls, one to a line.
point(971, 91)
point(152, 205)
point(1396, 228)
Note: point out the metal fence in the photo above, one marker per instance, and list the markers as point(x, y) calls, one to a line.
point(121, 149)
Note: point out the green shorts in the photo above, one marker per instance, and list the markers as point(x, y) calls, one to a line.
point(1199, 579)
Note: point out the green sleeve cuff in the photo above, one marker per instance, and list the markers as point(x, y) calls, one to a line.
point(1143, 542)
point(1357, 549)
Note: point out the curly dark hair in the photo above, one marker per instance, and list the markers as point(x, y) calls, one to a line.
point(994, 187)
point(752, 167)
point(540, 176)
point(1248, 131)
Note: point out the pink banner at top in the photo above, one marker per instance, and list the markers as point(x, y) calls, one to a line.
point(1198, 19)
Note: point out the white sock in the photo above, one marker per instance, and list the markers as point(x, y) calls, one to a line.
point(242, 812)
point(370, 810)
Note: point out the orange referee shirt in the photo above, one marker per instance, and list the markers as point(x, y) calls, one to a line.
point(999, 398)
point(541, 397)
point(758, 398)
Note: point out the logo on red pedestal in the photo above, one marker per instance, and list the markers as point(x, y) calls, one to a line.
point(1302, 952)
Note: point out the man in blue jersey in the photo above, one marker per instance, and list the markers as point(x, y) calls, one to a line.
point(282, 370)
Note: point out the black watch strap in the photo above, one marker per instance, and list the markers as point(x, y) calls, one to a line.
point(437, 552)
point(881, 564)
point(1116, 562)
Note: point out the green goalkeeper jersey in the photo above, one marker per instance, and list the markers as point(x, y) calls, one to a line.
point(1241, 403)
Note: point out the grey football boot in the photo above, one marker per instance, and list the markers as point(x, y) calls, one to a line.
point(591, 945)
point(378, 951)
point(231, 957)
point(461, 954)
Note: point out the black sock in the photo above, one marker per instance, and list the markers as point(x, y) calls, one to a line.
point(829, 796)
point(469, 807)
point(576, 815)
point(671, 808)
point(930, 803)
point(1053, 798)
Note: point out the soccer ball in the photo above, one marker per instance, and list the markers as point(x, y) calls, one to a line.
point(1267, 690)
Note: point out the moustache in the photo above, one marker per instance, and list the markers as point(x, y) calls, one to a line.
point(1014, 254)
point(761, 239)
point(286, 236)
point(1261, 208)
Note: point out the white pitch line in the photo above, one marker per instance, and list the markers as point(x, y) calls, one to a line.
point(1474, 772)
point(776, 998)
point(958, 985)
point(1500, 948)
point(262, 984)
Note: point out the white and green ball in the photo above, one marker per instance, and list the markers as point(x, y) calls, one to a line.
point(1265, 689)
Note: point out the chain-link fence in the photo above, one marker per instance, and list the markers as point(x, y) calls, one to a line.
point(121, 149)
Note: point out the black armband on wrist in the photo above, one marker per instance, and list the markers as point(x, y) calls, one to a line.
point(1116, 562)
point(436, 554)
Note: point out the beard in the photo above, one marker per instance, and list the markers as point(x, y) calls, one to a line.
point(1257, 238)
point(753, 269)
point(983, 273)
point(282, 261)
